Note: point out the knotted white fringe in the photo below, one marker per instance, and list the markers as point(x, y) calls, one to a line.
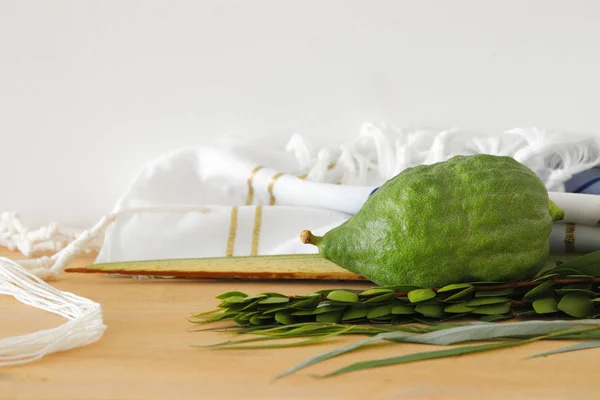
point(84, 327)
point(387, 150)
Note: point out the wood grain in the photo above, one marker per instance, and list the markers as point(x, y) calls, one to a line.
point(146, 354)
point(288, 266)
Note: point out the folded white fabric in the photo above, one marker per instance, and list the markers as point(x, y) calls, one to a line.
point(238, 199)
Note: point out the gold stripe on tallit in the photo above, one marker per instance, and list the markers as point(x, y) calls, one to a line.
point(256, 230)
point(569, 238)
point(250, 187)
point(271, 183)
point(232, 231)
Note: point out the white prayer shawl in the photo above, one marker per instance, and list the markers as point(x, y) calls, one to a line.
point(237, 199)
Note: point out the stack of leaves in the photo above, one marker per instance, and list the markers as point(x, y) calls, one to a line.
point(570, 289)
point(568, 292)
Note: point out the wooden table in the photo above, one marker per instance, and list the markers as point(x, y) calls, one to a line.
point(146, 354)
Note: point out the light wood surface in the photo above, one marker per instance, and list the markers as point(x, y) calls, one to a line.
point(146, 354)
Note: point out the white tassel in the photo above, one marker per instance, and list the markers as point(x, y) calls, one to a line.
point(84, 327)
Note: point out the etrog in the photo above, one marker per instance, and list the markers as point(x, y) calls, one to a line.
point(471, 218)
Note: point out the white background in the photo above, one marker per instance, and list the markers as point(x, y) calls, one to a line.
point(91, 90)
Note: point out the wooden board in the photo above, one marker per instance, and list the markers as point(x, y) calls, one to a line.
point(289, 266)
point(146, 354)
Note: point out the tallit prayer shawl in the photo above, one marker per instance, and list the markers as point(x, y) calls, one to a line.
point(238, 199)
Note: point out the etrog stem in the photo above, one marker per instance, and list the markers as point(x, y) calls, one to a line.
point(308, 238)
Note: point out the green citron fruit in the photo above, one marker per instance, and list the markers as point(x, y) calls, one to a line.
point(470, 218)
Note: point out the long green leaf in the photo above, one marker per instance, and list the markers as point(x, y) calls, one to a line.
point(344, 349)
point(233, 345)
point(465, 333)
point(428, 355)
point(575, 347)
point(487, 331)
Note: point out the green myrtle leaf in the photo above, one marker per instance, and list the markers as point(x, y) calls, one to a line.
point(584, 292)
point(274, 300)
point(236, 299)
point(430, 310)
point(544, 289)
point(419, 295)
point(308, 296)
point(273, 294)
point(493, 318)
point(326, 309)
point(564, 272)
point(545, 306)
point(492, 309)
point(343, 296)
point(379, 311)
point(576, 305)
point(260, 320)
point(276, 309)
point(256, 297)
point(233, 306)
point(424, 319)
point(459, 308)
point(494, 293)
point(246, 316)
point(353, 313)
point(375, 291)
point(303, 313)
point(459, 297)
point(386, 319)
point(525, 313)
point(401, 288)
point(583, 285)
point(382, 298)
point(251, 306)
point(231, 294)
point(333, 316)
point(546, 277)
point(284, 317)
point(583, 262)
point(308, 304)
point(402, 309)
point(318, 310)
point(454, 286)
point(324, 292)
point(482, 301)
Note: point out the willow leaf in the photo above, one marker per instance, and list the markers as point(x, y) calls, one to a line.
point(487, 331)
point(233, 345)
point(575, 347)
point(464, 333)
point(457, 351)
point(428, 355)
point(343, 350)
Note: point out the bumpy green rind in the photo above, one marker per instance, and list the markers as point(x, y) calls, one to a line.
point(471, 218)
